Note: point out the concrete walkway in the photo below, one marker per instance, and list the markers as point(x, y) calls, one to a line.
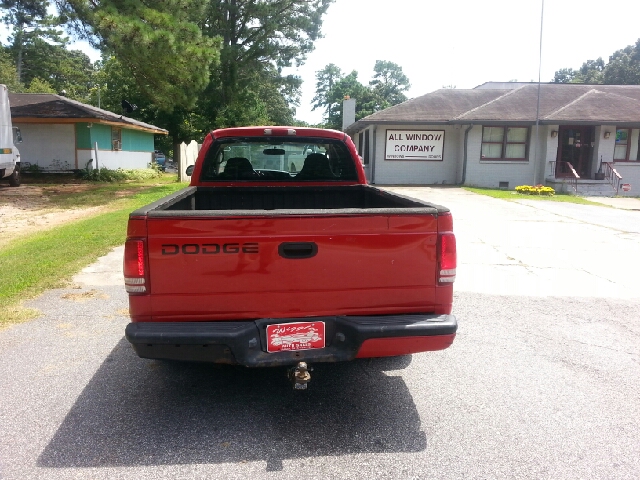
point(625, 203)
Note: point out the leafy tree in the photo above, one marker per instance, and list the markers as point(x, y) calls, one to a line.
point(62, 69)
point(22, 15)
point(259, 39)
point(591, 72)
point(159, 43)
point(38, 85)
point(221, 58)
point(624, 66)
point(367, 101)
point(114, 83)
point(385, 89)
point(325, 83)
point(564, 75)
point(9, 77)
point(389, 83)
point(39, 51)
point(8, 72)
point(265, 100)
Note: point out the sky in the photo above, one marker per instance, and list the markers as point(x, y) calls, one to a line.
point(463, 43)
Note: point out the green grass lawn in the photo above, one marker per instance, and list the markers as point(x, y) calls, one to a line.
point(47, 259)
point(513, 195)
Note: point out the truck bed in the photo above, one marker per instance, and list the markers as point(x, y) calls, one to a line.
point(286, 200)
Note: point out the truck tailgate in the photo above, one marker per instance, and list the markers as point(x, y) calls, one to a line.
point(223, 268)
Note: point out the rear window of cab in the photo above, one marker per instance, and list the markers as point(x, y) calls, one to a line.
point(273, 159)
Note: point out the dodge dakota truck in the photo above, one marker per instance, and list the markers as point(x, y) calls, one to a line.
point(279, 253)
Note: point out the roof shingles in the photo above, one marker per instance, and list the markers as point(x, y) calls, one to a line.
point(559, 103)
point(41, 105)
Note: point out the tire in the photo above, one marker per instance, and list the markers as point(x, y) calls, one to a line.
point(14, 178)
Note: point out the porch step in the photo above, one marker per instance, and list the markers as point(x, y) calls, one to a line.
point(586, 188)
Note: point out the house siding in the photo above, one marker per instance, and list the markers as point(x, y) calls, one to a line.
point(548, 146)
point(630, 172)
point(137, 141)
point(115, 159)
point(604, 147)
point(83, 135)
point(49, 146)
point(418, 172)
point(132, 140)
point(481, 173)
point(489, 173)
point(97, 133)
point(633, 154)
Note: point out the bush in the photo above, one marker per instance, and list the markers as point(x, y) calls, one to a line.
point(537, 190)
point(31, 169)
point(118, 175)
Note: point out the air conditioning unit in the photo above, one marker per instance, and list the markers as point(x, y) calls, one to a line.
point(117, 145)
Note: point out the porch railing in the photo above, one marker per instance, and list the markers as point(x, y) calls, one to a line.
point(610, 174)
point(566, 170)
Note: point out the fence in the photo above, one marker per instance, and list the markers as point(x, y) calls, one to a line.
point(188, 155)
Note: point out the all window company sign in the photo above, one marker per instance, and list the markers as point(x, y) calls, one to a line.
point(414, 145)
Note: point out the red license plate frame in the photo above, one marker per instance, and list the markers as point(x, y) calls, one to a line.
point(295, 336)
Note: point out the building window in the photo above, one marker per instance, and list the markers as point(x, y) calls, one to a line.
point(116, 138)
point(504, 143)
point(623, 144)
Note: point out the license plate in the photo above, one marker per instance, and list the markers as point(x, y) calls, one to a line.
point(287, 337)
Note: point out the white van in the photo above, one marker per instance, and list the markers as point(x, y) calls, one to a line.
point(9, 136)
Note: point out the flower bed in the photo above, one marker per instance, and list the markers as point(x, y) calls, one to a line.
point(537, 190)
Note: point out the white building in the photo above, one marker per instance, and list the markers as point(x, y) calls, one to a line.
point(60, 134)
point(585, 138)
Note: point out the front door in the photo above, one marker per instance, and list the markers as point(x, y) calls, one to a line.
point(575, 147)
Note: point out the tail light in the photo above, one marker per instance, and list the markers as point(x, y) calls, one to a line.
point(447, 261)
point(135, 266)
point(447, 258)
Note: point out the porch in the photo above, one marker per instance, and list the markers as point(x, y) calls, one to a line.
point(564, 178)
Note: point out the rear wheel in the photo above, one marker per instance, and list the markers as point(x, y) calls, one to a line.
point(14, 178)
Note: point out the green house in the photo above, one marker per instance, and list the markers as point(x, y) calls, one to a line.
point(60, 134)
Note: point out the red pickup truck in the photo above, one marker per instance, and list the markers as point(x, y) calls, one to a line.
point(279, 253)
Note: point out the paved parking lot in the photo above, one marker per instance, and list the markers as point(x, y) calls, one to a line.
point(538, 248)
point(541, 381)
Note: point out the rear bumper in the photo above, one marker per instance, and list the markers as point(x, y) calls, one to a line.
point(244, 342)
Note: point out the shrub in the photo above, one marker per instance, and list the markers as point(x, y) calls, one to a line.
point(118, 175)
point(32, 169)
point(537, 190)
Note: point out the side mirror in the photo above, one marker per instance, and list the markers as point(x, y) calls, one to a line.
point(189, 170)
point(18, 135)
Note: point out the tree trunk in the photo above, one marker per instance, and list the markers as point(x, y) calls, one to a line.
point(19, 41)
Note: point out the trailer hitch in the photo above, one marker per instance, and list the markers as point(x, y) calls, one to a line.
point(300, 376)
